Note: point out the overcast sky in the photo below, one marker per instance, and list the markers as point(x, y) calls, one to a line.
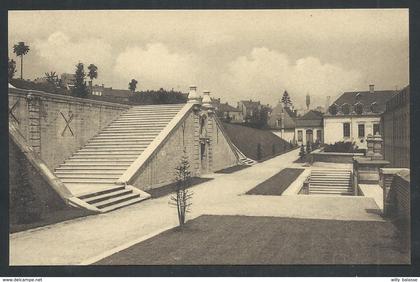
point(236, 54)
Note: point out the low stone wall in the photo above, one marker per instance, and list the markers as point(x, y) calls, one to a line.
point(332, 157)
point(57, 125)
point(396, 185)
point(31, 197)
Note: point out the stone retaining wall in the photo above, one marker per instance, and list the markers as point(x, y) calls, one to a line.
point(55, 125)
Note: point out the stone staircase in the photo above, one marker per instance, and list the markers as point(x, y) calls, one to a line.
point(92, 172)
point(328, 181)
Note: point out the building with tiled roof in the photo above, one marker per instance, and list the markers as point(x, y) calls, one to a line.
point(355, 115)
point(249, 109)
point(226, 112)
point(282, 122)
point(111, 95)
point(309, 127)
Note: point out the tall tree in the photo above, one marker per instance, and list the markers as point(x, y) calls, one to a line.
point(287, 102)
point(80, 89)
point(93, 73)
point(21, 50)
point(11, 69)
point(52, 77)
point(132, 85)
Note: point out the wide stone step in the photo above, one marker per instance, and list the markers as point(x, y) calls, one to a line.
point(101, 191)
point(114, 150)
point(90, 181)
point(329, 188)
point(143, 120)
point(90, 171)
point(150, 114)
point(103, 158)
point(332, 193)
point(136, 125)
point(119, 138)
point(327, 184)
point(148, 133)
point(117, 200)
point(86, 152)
point(101, 176)
point(131, 130)
point(103, 197)
point(116, 146)
point(138, 141)
point(330, 174)
point(94, 166)
point(103, 162)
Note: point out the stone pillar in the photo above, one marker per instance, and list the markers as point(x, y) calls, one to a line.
point(195, 100)
point(305, 188)
point(369, 142)
point(377, 147)
point(355, 181)
point(208, 107)
point(34, 132)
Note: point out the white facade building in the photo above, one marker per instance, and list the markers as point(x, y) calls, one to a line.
point(350, 128)
point(355, 115)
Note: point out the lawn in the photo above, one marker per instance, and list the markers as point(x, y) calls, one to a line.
point(276, 184)
point(256, 144)
point(268, 240)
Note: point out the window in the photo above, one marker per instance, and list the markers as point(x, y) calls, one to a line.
point(361, 130)
point(318, 135)
point(300, 136)
point(376, 129)
point(346, 129)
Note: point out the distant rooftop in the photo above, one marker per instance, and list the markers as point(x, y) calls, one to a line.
point(369, 100)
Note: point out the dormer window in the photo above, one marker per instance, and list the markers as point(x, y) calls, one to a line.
point(345, 108)
point(333, 109)
point(358, 108)
point(374, 107)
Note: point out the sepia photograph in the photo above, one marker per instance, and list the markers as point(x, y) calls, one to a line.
point(209, 137)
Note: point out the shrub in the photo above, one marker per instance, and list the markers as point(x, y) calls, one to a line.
point(308, 147)
point(181, 199)
point(341, 147)
point(302, 151)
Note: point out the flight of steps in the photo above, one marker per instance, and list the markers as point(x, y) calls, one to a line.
point(97, 166)
point(246, 161)
point(330, 181)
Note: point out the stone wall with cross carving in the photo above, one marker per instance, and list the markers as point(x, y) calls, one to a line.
point(56, 126)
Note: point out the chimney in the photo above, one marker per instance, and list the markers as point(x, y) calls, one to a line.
point(371, 88)
point(327, 103)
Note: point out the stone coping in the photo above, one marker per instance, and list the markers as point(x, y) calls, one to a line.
point(336, 153)
point(371, 162)
point(64, 98)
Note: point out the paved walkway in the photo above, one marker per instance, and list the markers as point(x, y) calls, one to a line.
point(79, 240)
